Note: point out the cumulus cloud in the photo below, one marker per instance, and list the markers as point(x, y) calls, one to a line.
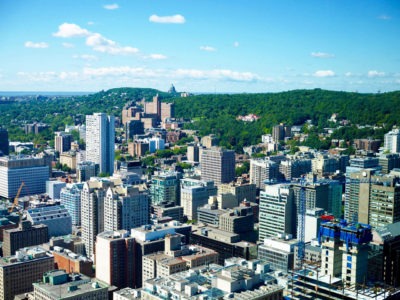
point(104, 45)
point(156, 56)
point(236, 44)
point(324, 73)
point(175, 19)
point(39, 45)
point(207, 48)
point(67, 30)
point(68, 45)
point(111, 6)
point(322, 55)
point(374, 73)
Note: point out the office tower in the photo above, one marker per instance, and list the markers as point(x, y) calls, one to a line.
point(53, 188)
point(389, 162)
point(324, 164)
point(164, 187)
point(294, 168)
point(153, 107)
point(194, 194)
point(242, 191)
point(262, 171)
point(277, 212)
point(92, 211)
point(345, 251)
point(130, 112)
point(155, 144)
point(126, 207)
point(384, 202)
point(100, 141)
point(132, 128)
point(70, 197)
point(280, 132)
point(167, 111)
point(209, 141)
point(193, 152)
point(17, 273)
point(85, 170)
point(62, 142)
point(166, 209)
point(15, 170)
point(278, 252)
point(57, 284)
point(55, 217)
point(115, 258)
point(312, 223)
point(218, 165)
point(238, 220)
point(392, 141)
point(4, 142)
point(25, 235)
point(367, 144)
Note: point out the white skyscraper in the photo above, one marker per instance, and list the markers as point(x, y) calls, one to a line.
point(392, 141)
point(100, 137)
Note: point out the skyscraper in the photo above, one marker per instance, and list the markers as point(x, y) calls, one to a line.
point(100, 140)
point(392, 141)
point(62, 142)
point(4, 143)
point(218, 165)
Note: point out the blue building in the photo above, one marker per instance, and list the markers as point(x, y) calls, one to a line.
point(70, 197)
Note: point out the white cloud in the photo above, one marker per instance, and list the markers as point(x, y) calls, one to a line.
point(87, 57)
point(68, 45)
point(175, 19)
point(236, 44)
point(322, 55)
point(104, 45)
point(67, 30)
point(111, 6)
point(374, 73)
point(39, 45)
point(207, 48)
point(156, 56)
point(49, 76)
point(324, 73)
point(384, 17)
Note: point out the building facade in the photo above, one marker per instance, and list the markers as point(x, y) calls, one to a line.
point(218, 165)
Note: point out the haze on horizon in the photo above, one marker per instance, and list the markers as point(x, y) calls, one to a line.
point(200, 46)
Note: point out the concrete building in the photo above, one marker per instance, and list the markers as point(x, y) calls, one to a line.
point(17, 273)
point(132, 128)
point(35, 128)
point(242, 191)
point(115, 261)
point(15, 170)
point(281, 132)
point(62, 142)
point(209, 141)
point(294, 168)
point(392, 141)
point(70, 197)
point(85, 170)
point(193, 153)
point(126, 207)
point(312, 223)
point(277, 212)
point(389, 162)
point(218, 165)
point(168, 210)
point(25, 235)
point(194, 194)
point(367, 144)
point(59, 285)
point(209, 215)
point(238, 220)
point(164, 187)
point(92, 211)
point(223, 201)
point(4, 142)
point(138, 148)
point(262, 171)
point(278, 252)
point(156, 143)
point(71, 262)
point(100, 141)
point(53, 188)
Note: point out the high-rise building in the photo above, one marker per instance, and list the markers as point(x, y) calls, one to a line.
point(242, 191)
point(132, 128)
point(25, 235)
point(62, 142)
point(33, 172)
point(53, 188)
point(115, 260)
point(280, 132)
point(126, 207)
point(277, 211)
point(17, 273)
point(209, 141)
point(389, 162)
point(85, 170)
point(4, 142)
point(392, 141)
point(218, 165)
point(100, 141)
point(70, 197)
point(294, 168)
point(194, 194)
point(238, 220)
point(92, 211)
point(164, 187)
point(262, 171)
point(193, 152)
point(167, 111)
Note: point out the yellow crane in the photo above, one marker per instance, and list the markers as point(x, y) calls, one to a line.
point(15, 203)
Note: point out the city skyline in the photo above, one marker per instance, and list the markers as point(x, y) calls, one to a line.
point(200, 46)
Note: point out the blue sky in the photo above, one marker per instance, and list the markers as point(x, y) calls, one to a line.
point(200, 45)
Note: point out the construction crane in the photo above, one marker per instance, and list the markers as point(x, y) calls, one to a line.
point(15, 203)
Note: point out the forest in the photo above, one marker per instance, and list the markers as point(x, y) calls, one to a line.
point(217, 113)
